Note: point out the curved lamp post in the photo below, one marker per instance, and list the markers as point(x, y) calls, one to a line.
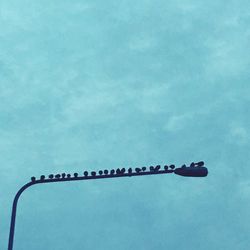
point(194, 170)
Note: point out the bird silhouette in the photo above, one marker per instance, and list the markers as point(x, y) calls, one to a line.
point(33, 178)
point(42, 177)
point(137, 170)
point(199, 164)
point(157, 168)
point(192, 165)
point(123, 170)
point(93, 173)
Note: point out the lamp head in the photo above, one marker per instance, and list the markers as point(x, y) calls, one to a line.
point(192, 171)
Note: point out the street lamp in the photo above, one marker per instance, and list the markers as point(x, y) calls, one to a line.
point(194, 170)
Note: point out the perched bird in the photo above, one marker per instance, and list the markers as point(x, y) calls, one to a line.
point(68, 175)
point(42, 177)
point(106, 171)
point(130, 171)
point(118, 171)
point(33, 178)
point(192, 165)
point(199, 164)
point(158, 167)
point(172, 166)
point(85, 173)
point(166, 167)
point(151, 168)
point(112, 171)
point(63, 175)
point(100, 172)
point(51, 176)
point(143, 169)
point(137, 170)
point(183, 166)
point(57, 176)
point(93, 173)
point(123, 170)
point(75, 175)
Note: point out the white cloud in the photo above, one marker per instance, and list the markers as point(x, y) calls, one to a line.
point(238, 134)
point(177, 122)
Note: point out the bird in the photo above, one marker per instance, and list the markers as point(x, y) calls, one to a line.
point(75, 175)
point(199, 164)
point(68, 175)
point(106, 171)
point(130, 171)
point(42, 177)
point(57, 176)
point(33, 178)
point(151, 168)
point(123, 170)
point(100, 172)
point(137, 170)
point(157, 168)
point(143, 169)
point(172, 166)
point(93, 173)
point(85, 173)
point(192, 165)
point(112, 171)
point(63, 175)
point(166, 167)
point(51, 176)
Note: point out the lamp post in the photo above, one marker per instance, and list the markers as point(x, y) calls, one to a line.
point(194, 170)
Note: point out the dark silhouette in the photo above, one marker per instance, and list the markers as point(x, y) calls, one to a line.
point(172, 166)
point(158, 167)
point(93, 173)
point(118, 171)
point(123, 170)
point(197, 170)
point(137, 170)
point(42, 177)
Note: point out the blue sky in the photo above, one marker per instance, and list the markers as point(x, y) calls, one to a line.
point(103, 84)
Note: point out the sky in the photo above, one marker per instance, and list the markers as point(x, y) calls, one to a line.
point(89, 85)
